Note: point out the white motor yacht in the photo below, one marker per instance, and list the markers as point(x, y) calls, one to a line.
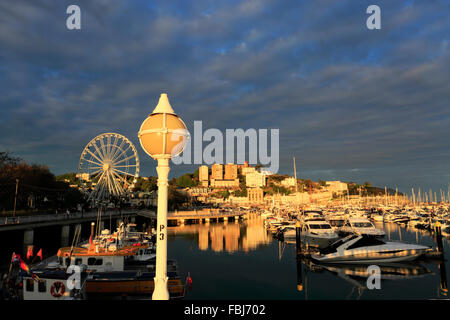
point(361, 226)
point(318, 233)
point(364, 249)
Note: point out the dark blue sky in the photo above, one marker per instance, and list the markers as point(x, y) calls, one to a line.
point(350, 103)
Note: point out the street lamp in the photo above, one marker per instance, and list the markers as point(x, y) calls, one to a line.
point(162, 135)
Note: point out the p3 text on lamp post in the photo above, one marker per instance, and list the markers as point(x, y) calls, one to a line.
point(162, 135)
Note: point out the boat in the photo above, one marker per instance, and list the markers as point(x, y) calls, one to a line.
point(336, 222)
point(377, 217)
point(286, 232)
point(360, 226)
point(53, 284)
point(317, 232)
point(118, 271)
point(367, 249)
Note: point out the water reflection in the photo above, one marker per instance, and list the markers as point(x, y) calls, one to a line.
point(420, 272)
point(227, 236)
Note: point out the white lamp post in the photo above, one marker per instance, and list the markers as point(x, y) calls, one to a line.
point(162, 135)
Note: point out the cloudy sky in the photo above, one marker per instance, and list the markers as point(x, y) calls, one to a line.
point(351, 104)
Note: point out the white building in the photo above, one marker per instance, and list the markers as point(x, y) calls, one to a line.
point(288, 182)
point(255, 179)
point(337, 187)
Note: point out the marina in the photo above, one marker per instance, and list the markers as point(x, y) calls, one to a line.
point(247, 259)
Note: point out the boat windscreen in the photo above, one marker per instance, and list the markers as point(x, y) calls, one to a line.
point(366, 242)
point(333, 247)
point(362, 225)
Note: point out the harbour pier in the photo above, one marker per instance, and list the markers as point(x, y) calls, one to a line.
point(36, 221)
point(203, 216)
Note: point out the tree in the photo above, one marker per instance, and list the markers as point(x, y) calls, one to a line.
point(36, 182)
point(186, 181)
point(176, 198)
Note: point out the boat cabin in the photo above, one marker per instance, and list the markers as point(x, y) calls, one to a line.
point(52, 285)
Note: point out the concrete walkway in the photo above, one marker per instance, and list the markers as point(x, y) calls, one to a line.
point(25, 222)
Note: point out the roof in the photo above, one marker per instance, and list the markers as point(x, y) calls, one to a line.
point(78, 251)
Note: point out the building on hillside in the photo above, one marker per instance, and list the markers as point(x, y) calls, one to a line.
point(241, 166)
point(246, 170)
point(337, 187)
point(224, 183)
point(203, 176)
point(255, 195)
point(288, 182)
point(199, 191)
point(231, 171)
point(217, 171)
point(83, 176)
point(266, 172)
point(255, 179)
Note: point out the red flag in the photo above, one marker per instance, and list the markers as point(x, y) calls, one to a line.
point(30, 252)
point(189, 281)
point(24, 266)
point(39, 254)
point(90, 240)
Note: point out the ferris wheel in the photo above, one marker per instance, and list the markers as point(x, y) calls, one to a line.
point(109, 165)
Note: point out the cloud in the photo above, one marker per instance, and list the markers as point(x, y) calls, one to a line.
point(343, 97)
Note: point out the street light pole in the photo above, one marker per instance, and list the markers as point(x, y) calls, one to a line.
point(161, 291)
point(162, 135)
point(15, 197)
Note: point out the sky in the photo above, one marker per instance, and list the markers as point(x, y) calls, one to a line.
point(351, 104)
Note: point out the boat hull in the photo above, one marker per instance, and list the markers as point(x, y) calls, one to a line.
point(118, 286)
point(368, 257)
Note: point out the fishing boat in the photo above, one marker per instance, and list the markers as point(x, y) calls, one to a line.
point(117, 272)
point(360, 226)
point(53, 284)
point(366, 249)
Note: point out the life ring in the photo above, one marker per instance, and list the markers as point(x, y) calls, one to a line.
point(57, 289)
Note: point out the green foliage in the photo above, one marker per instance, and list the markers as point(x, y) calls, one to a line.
point(322, 183)
point(72, 177)
point(176, 198)
point(277, 178)
point(146, 185)
point(242, 192)
point(35, 184)
point(186, 181)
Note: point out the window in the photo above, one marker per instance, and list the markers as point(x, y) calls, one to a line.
point(325, 226)
point(363, 225)
point(30, 285)
point(314, 226)
point(78, 261)
point(94, 261)
point(333, 247)
point(67, 261)
point(42, 286)
point(366, 242)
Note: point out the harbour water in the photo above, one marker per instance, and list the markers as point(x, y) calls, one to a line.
point(252, 265)
point(241, 260)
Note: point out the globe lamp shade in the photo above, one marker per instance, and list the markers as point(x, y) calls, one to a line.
point(163, 133)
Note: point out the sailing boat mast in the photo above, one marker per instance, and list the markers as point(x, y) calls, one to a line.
point(295, 177)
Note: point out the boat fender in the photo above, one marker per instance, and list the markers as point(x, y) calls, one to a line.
point(57, 289)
